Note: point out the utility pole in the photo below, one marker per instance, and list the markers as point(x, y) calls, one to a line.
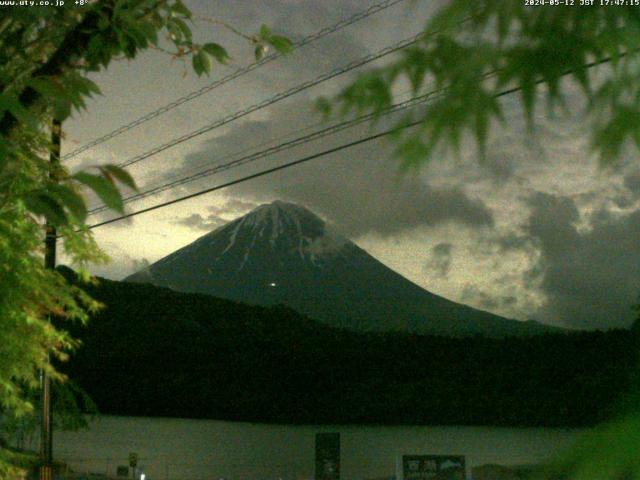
point(46, 428)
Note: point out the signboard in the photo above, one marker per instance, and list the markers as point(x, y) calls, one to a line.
point(327, 456)
point(122, 471)
point(432, 467)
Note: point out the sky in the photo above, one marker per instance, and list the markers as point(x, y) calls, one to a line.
point(535, 230)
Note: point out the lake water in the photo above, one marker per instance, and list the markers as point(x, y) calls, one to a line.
point(172, 449)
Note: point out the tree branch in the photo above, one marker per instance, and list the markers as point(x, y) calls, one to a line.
point(74, 44)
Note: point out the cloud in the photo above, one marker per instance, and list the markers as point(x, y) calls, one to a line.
point(362, 194)
point(233, 206)
point(439, 262)
point(365, 179)
point(359, 189)
point(510, 242)
point(218, 216)
point(198, 222)
point(474, 295)
point(589, 276)
point(486, 299)
point(120, 266)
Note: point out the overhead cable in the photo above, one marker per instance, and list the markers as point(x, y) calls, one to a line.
point(232, 76)
point(324, 132)
point(275, 98)
point(326, 152)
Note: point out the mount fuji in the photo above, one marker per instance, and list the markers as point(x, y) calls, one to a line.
point(281, 253)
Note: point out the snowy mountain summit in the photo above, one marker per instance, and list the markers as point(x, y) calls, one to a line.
point(287, 229)
point(281, 253)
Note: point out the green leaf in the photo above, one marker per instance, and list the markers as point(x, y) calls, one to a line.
point(416, 67)
point(13, 105)
point(216, 51)
point(62, 109)
point(43, 204)
point(503, 25)
point(120, 174)
point(281, 44)
point(265, 32)
point(47, 88)
point(83, 85)
point(181, 9)
point(95, 50)
point(528, 93)
point(149, 31)
point(413, 152)
point(201, 62)
point(183, 27)
point(582, 76)
point(70, 200)
point(260, 51)
point(608, 452)
point(610, 137)
point(103, 23)
point(135, 33)
point(324, 106)
point(104, 188)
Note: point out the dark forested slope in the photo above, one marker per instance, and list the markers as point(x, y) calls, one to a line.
point(153, 351)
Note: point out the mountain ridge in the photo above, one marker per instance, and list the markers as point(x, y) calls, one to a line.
point(282, 253)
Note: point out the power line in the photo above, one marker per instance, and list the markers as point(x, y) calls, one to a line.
point(270, 170)
point(195, 168)
point(279, 96)
point(254, 175)
point(232, 76)
point(276, 98)
point(101, 206)
point(275, 149)
point(329, 151)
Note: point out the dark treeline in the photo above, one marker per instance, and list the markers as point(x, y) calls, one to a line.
point(156, 352)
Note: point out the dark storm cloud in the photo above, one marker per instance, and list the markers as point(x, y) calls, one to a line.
point(360, 196)
point(359, 189)
point(439, 262)
point(510, 242)
point(376, 203)
point(361, 192)
point(552, 222)
point(590, 278)
point(240, 141)
point(500, 165)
